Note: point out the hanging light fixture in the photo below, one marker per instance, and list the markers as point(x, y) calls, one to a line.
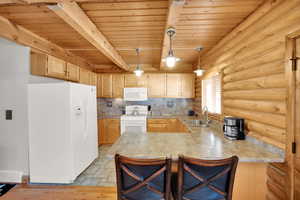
point(138, 71)
point(199, 71)
point(171, 60)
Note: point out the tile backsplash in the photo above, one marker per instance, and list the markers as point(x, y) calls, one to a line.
point(159, 106)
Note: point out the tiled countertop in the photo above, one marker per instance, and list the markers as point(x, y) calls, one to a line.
point(203, 143)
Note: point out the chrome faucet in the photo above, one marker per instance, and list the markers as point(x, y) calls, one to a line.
point(205, 115)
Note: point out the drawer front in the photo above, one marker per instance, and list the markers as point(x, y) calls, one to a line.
point(157, 128)
point(159, 121)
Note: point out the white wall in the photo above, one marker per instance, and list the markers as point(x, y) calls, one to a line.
point(14, 73)
point(14, 78)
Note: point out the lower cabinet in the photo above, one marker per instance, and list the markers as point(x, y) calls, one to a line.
point(108, 131)
point(166, 125)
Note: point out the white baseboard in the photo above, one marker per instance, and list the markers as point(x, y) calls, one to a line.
point(11, 176)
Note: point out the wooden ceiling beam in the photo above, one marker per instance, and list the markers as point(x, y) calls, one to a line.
point(107, 68)
point(7, 2)
point(20, 35)
point(72, 14)
point(174, 10)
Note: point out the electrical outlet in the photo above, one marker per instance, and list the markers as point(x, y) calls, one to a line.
point(8, 114)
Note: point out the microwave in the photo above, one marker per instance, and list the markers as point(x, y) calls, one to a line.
point(135, 94)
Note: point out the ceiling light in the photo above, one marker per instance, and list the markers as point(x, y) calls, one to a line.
point(171, 60)
point(138, 71)
point(199, 71)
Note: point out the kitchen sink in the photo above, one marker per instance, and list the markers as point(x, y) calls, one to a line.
point(198, 123)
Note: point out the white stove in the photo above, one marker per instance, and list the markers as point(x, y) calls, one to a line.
point(135, 119)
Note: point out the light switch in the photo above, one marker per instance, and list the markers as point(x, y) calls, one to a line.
point(8, 114)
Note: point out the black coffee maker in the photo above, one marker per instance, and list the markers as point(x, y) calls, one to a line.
point(234, 128)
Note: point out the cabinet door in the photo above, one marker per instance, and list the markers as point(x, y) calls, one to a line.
point(38, 64)
point(187, 85)
point(107, 85)
point(56, 68)
point(85, 76)
point(93, 79)
point(156, 85)
point(118, 81)
point(131, 80)
point(112, 130)
point(173, 85)
point(73, 72)
point(101, 132)
point(99, 85)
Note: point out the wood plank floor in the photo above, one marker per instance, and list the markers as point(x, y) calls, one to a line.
point(34, 192)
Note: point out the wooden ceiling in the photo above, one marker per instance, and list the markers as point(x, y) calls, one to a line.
point(131, 24)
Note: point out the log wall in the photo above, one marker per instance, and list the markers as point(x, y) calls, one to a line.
point(251, 59)
point(198, 94)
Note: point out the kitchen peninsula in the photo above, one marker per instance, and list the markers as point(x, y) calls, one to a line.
point(206, 143)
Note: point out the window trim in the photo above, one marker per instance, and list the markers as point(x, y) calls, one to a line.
point(211, 115)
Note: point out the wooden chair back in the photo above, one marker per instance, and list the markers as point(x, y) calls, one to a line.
point(143, 178)
point(205, 179)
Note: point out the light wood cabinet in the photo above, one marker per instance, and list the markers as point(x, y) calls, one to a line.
point(85, 76)
point(73, 72)
point(99, 85)
point(107, 85)
point(181, 85)
point(118, 82)
point(131, 80)
point(160, 85)
point(156, 85)
point(173, 85)
point(166, 125)
point(109, 131)
point(46, 65)
point(187, 85)
point(56, 68)
point(93, 79)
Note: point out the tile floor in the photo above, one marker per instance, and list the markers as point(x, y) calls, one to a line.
point(100, 173)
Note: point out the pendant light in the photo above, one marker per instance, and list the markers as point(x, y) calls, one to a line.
point(138, 71)
point(199, 71)
point(171, 60)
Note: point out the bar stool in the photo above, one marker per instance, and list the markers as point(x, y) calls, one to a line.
point(143, 179)
point(204, 179)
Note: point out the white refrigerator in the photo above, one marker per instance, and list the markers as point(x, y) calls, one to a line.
point(63, 139)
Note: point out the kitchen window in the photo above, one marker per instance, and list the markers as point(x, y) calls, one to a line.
point(211, 94)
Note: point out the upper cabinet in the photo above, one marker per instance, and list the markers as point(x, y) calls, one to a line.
point(107, 85)
point(118, 82)
point(93, 80)
point(173, 85)
point(160, 85)
point(73, 72)
point(187, 86)
point(99, 85)
point(110, 85)
point(180, 85)
point(131, 80)
point(85, 76)
point(45, 65)
point(156, 85)
point(56, 67)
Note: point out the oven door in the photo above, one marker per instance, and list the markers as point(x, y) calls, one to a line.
point(133, 126)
